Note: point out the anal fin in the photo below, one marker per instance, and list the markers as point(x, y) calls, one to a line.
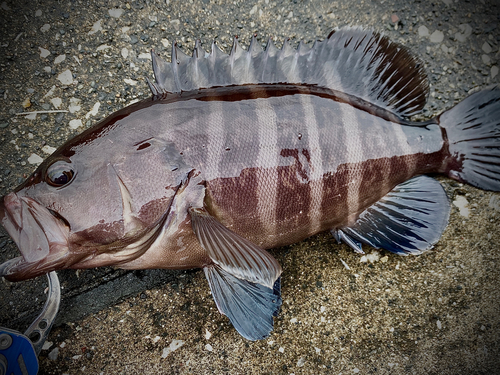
point(341, 237)
point(244, 278)
point(408, 220)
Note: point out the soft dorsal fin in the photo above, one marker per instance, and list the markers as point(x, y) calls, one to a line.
point(352, 60)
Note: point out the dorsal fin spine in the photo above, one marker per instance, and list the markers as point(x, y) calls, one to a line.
point(152, 87)
point(174, 66)
point(357, 62)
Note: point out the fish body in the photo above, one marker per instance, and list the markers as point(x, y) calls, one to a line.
point(239, 153)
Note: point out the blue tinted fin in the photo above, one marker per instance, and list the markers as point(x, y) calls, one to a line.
point(249, 306)
point(473, 133)
point(243, 277)
point(341, 237)
point(408, 220)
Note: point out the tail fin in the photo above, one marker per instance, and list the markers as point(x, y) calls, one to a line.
point(473, 131)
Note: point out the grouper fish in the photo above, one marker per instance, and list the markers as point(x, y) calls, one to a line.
point(238, 153)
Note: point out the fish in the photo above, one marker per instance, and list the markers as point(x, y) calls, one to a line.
point(234, 154)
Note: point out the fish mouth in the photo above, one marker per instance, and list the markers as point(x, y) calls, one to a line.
point(41, 237)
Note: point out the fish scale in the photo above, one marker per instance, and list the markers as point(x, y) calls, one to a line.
point(235, 154)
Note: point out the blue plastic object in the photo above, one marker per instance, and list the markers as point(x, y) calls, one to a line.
point(17, 354)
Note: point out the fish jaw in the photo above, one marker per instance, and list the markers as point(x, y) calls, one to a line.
point(41, 237)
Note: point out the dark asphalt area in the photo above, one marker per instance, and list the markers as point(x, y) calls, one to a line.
point(438, 313)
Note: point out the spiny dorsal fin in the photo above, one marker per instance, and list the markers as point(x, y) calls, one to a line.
point(351, 60)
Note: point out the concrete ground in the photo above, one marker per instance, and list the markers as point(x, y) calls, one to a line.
point(437, 313)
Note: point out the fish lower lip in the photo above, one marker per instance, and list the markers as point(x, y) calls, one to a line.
point(7, 266)
point(41, 237)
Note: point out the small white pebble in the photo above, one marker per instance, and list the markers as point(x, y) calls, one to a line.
point(51, 91)
point(423, 31)
point(94, 110)
point(115, 12)
point(75, 124)
point(372, 258)
point(209, 347)
point(96, 27)
point(174, 345)
point(34, 159)
point(53, 354)
point(130, 81)
point(207, 334)
point(66, 77)
point(293, 320)
point(46, 345)
point(281, 349)
point(494, 71)
point(59, 59)
point(56, 102)
point(103, 47)
point(44, 53)
point(48, 149)
point(461, 203)
point(439, 324)
point(144, 55)
point(437, 36)
point(74, 105)
point(486, 47)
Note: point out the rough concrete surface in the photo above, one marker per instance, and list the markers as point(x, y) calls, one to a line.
point(437, 313)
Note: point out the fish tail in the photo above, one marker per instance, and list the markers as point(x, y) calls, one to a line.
point(472, 130)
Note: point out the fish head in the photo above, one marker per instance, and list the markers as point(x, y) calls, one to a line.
point(37, 216)
point(91, 203)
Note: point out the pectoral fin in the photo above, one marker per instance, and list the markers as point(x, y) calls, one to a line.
point(408, 220)
point(249, 306)
point(244, 279)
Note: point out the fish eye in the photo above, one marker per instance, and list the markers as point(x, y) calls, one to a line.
point(59, 173)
